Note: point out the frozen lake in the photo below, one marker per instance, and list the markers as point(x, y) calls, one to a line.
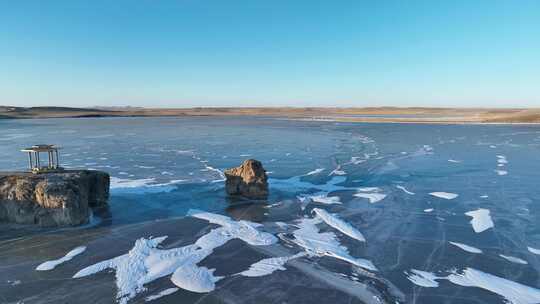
point(358, 213)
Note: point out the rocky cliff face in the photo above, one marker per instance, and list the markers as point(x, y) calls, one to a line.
point(52, 199)
point(249, 180)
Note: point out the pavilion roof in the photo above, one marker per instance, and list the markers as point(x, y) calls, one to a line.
point(41, 148)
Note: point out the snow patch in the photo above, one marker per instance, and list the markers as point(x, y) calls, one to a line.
point(316, 243)
point(195, 279)
point(512, 291)
point(513, 259)
point(422, 278)
point(369, 189)
point(316, 171)
point(212, 169)
point(268, 266)
point(501, 159)
point(533, 250)
point(231, 229)
point(323, 199)
point(161, 294)
point(145, 167)
point(145, 262)
point(338, 171)
point(501, 172)
point(467, 248)
point(335, 222)
point(405, 190)
point(14, 282)
point(445, 195)
point(481, 220)
point(372, 197)
point(50, 265)
point(356, 160)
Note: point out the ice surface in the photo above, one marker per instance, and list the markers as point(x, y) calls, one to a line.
point(142, 186)
point(513, 259)
point(297, 185)
point(445, 195)
point(481, 220)
point(335, 222)
point(117, 182)
point(49, 265)
point(14, 136)
point(467, 248)
point(402, 234)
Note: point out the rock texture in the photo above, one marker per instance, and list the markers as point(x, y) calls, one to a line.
point(249, 180)
point(52, 199)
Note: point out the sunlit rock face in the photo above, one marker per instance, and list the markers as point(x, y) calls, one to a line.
point(52, 199)
point(249, 180)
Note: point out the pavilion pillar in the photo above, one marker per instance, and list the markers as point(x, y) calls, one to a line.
point(30, 160)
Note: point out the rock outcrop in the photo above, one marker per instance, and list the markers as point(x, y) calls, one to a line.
point(52, 199)
point(249, 180)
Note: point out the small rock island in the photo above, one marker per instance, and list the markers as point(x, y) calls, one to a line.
point(51, 196)
point(249, 180)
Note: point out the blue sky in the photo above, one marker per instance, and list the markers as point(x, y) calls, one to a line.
point(270, 53)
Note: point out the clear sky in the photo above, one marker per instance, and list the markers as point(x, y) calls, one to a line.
point(270, 53)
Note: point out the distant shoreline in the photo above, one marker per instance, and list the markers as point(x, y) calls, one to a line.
point(427, 122)
point(365, 115)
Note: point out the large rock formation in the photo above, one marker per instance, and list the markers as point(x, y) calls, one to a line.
point(249, 180)
point(52, 199)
